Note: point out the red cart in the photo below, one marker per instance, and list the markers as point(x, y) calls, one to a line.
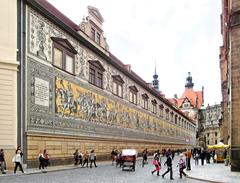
point(129, 157)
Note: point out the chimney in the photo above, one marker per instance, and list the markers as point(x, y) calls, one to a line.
point(149, 85)
point(128, 67)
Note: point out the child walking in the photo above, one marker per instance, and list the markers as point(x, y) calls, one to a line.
point(156, 163)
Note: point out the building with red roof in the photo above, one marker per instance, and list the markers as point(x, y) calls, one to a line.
point(191, 102)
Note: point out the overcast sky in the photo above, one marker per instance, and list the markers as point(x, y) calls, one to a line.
point(180, 35)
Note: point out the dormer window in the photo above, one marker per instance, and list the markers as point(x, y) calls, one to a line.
point(93, 32)
point(118, 85)
point(98, 38)
point(96, 73)
point(95, 35)
point(63, 55)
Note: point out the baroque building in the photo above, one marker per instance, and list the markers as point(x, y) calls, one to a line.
point(75, 94)
point(210, 118)
point(230, 74)
point(191, 103)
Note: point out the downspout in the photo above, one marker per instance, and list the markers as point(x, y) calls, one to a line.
point(20, 81)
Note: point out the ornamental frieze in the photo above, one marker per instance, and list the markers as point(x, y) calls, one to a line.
point(75, 102)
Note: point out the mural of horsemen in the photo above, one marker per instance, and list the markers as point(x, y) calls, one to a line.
point(73, 101)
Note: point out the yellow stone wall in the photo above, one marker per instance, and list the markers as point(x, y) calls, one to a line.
point(8, 78)
point(64, 146)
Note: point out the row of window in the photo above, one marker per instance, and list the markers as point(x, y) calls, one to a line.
point(216, 134)
point(63, 58)
point(216, 141)
point(133, 91)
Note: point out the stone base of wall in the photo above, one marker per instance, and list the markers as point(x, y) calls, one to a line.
point(8, 154)
point(61, 148)
point(235, 159)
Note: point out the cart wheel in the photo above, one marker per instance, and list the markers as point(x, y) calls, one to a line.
point(133, 168)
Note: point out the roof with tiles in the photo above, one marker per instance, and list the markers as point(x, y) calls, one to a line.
point(55, 12)
point(195, 98)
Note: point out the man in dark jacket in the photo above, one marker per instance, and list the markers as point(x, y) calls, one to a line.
point(2, 161)
point(169, 166)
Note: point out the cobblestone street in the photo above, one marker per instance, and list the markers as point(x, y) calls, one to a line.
point(106, 173)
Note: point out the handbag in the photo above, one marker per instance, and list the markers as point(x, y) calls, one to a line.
point(14, 159)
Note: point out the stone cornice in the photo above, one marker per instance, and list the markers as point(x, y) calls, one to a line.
point(45, 135)
point(9, 64)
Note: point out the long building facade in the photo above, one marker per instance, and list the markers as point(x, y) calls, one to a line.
point(77, 95)
point(230, 74)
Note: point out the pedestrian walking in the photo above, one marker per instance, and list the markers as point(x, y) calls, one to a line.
point(76, 157)
point(173, 154)
point(2, 161)
point(188, 158)
point(157, 153)
point(119, 160)
point(169, 167)
point(182, 165)
point(202, 157)
point(208, 157)
point(113, 156)
point(80, 157)
point(17, 159)
point(213, 155)
point(157, 165)
point(85, 159)
point(145, 156)
point(196, 158)
point(46, 158)
point(92, 158)
point(41, 160)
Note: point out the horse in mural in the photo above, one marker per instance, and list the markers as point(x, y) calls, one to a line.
point(94, 111)
point(86, 104)
point(66, 102)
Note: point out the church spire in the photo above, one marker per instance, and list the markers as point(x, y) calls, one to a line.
point(155, 82)
point(189, 84)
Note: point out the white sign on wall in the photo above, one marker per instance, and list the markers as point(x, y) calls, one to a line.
point(41, 92)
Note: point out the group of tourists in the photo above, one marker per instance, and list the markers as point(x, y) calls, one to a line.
point(183, 162)
point(116, 156)
point(84, 158)
point(18, 160)
point(203, 155)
